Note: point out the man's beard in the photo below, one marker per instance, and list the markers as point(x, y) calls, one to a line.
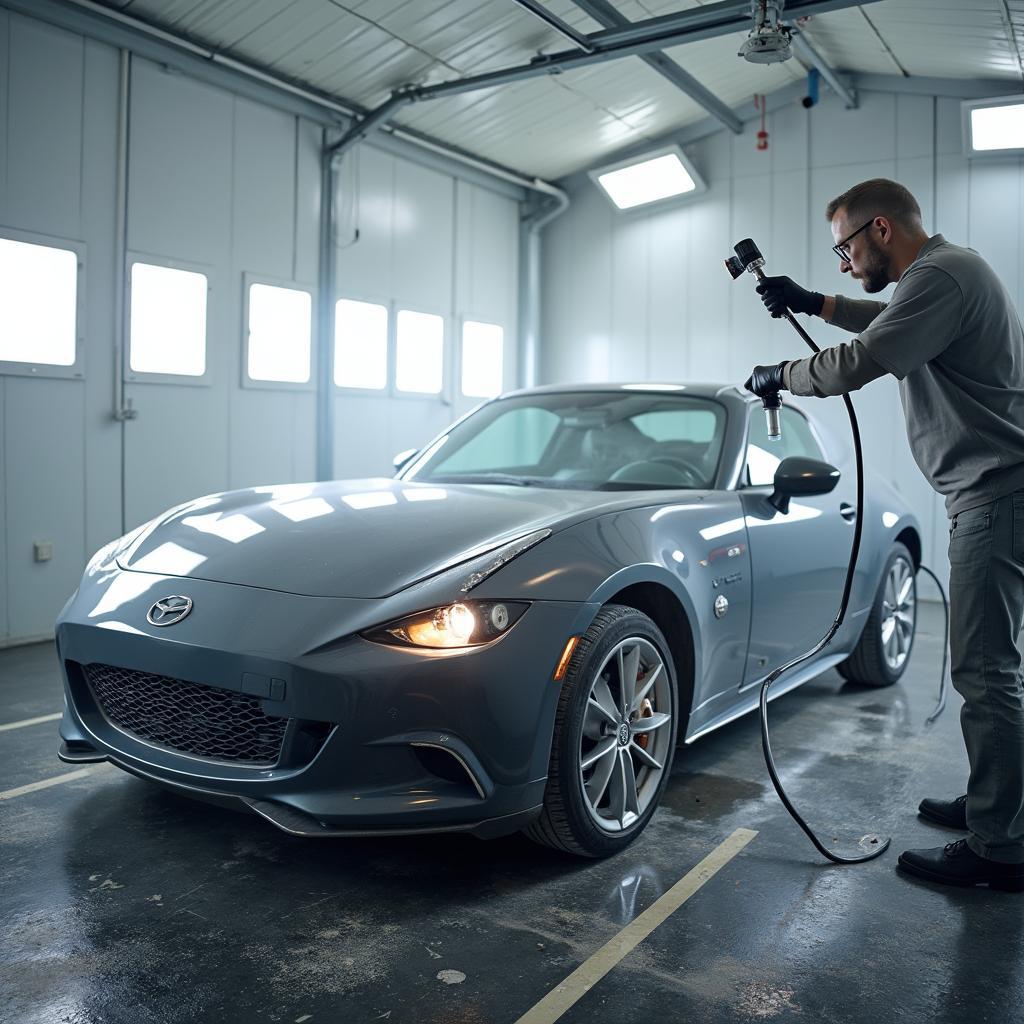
point(875, 273)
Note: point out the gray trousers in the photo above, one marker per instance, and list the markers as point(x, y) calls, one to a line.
point(986, 599)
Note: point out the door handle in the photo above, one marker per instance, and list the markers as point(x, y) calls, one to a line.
point(848, 512)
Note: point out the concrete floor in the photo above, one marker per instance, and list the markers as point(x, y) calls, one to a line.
point(120, 902)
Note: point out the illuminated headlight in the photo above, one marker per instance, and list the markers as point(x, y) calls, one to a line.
point(463, 624)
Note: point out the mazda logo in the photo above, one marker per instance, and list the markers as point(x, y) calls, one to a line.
point(169, 610)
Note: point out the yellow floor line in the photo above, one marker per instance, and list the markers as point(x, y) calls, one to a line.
point(29, 721)
point(56, 780)
point(588, 974)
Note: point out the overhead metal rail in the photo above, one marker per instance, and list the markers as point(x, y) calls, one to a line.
point(602, 11)
point(563, 28)
point(640, 37)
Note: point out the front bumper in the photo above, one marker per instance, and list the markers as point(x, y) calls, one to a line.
point(379, 739)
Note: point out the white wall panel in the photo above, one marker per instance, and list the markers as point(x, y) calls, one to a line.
point(267, 425)
point(365, 203)
point(45, 480)
point(180, 159)
point(44, 127)
point(486, 276)
point(629, 312)
point(308, 141)
point(844, 137)
point(422, 249)
point(99, 143)
point(668, 295)
point(44, 181)
point(995, 204)
point(576, 292)
point(262, 437)
point(701, 326)
point(710, 242)
point(263, 190)
point(425, 242)
point(180, 164)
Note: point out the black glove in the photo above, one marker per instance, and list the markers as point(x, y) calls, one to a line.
point(780, 293)
point(766, 380)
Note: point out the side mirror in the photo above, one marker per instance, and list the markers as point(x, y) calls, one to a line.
point(402, 459)
point(798, 476)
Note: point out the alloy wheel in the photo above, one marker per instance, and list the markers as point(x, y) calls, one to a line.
point(898, 611)
point(626, 736)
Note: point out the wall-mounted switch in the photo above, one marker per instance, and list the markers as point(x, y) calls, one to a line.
point(42, 550)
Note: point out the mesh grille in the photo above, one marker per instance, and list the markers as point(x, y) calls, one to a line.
point(187, 717)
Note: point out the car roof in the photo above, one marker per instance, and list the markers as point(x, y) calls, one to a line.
point(697, 390)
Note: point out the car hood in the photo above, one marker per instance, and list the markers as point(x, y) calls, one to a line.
point(354, 538)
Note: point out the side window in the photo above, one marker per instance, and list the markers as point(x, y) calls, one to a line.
point(280, 331)
point(515, 440)
point(419, 352)
point(360, 345)
point(167, 322)
point(764, 456)
point(38, 304)
point(481, 359)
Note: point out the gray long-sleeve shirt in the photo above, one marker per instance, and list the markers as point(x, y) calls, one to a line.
point(953, 339)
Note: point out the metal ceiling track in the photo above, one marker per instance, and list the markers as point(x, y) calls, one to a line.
point(629, 40)
point(602, 11)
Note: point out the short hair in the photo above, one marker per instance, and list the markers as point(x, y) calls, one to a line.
point(878, 197)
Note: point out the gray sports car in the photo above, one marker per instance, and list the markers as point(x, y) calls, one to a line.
point(512, 633)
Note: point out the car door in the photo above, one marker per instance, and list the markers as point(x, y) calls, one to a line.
point(798, 560)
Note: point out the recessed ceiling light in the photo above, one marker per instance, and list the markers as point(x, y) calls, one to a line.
point(650, 178)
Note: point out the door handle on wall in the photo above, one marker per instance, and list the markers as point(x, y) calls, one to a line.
point(848, 512)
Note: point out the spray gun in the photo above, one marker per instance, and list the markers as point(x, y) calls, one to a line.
point(748, 258)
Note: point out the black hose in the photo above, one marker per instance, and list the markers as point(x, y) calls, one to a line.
point(941, 705)
point(883, 845)
point(748, 256)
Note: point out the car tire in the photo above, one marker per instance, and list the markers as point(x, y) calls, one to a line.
point(610, 756)
point(883, 651)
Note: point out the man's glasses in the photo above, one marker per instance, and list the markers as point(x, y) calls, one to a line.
point(841, 251)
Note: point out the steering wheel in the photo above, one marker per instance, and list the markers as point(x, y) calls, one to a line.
point(691, 475)
point(693, 472)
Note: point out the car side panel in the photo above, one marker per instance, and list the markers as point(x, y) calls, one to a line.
point(695, 547)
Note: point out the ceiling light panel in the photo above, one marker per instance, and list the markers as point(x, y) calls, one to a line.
point(665, 174)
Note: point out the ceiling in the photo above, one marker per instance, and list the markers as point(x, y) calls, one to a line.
point(359, 51)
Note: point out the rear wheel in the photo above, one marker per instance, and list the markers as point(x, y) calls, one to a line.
point(614, 737)
point(882, 653)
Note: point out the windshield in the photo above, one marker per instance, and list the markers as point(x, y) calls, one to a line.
point(595, 441)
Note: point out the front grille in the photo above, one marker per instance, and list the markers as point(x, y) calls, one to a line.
point(187, 717)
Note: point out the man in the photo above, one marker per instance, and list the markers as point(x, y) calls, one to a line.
point(951, 336)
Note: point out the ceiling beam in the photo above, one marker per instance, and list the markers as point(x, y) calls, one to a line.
point(637, 38)
point(604, 13)
point(373, 119)
point(1011, 34)
point(563, 28)
point(803, 48)
point(632, 39)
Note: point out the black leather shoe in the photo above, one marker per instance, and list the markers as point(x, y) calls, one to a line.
point(945, 812)
point(957, 864)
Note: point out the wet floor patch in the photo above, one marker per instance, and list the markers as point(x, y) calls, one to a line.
point(702, 794)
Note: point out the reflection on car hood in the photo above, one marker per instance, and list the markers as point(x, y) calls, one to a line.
point(354, 538)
